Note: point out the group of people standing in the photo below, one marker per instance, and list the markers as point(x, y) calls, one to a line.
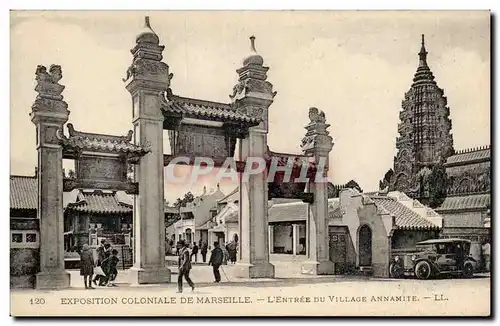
point(105, 269)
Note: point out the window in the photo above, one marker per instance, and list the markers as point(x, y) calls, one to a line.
point(17, 237)
point(24, 239)
point(441, 249)
point(30, 237)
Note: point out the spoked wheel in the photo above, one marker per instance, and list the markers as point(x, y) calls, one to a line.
point(468, 271)
point(423, 270)
point(395, 270)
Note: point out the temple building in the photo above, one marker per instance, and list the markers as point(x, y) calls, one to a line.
point(428, 168)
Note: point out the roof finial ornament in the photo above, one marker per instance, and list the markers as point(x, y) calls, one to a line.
point(423, 54)
point(147, 34)
point(252, 44)
point(253, 57)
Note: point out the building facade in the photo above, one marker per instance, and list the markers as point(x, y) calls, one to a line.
point(189, 224)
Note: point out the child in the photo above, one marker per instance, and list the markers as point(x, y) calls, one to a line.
point(113, 271)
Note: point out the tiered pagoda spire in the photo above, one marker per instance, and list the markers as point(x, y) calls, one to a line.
point(425, 137)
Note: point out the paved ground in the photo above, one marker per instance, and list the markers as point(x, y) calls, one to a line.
point(340, 296)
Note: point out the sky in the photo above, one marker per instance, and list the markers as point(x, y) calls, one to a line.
point(355, 66)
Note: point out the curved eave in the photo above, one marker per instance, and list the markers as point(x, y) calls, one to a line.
point(228, 117)
point(70, 150)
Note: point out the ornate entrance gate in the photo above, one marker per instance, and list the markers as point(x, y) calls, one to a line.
point(196, 128)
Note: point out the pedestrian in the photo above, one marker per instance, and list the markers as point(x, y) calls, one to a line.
point(232, 250)
point(112, 270)
point(87, 265)
point(204, 250)
point(184, 266)
point(105, 265)
point(100, 257)
point(194, 252)
point(486, 255)
point(216, 259)
point(225, 257)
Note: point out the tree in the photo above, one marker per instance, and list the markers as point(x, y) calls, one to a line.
point(438, 184)
point(188, 197)
point(177, 203)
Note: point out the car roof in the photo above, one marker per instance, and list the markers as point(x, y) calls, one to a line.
point(452, 240)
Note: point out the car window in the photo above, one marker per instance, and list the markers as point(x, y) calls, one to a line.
point(441, 248)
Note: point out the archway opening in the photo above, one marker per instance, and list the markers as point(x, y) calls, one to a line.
point(365, 246)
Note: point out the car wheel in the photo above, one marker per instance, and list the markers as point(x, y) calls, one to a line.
point(395, 270)
point(423, 270)
point(468, 271)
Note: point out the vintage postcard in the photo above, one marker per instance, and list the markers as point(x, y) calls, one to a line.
point(250, 163)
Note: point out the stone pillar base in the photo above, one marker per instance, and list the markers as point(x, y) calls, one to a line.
point(149, 275)
point(256, 270)
point(52, 280)
point(318, 268)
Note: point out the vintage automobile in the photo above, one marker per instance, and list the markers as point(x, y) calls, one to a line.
point(435, 257)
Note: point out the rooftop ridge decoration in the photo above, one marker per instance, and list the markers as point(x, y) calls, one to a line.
point(73, 133)
point(168, 95)
point(79, 140)
point(473, 149)
point(186, 107)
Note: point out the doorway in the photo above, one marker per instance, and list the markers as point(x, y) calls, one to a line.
point(365, 245)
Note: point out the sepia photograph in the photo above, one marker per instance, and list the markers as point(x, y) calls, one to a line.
point(250, 163)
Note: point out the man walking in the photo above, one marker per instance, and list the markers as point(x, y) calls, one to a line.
point(195, 252)
point(216, 260)
point(184, 266)
point(204, 249)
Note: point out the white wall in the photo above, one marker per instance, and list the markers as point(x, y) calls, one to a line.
point(466, 219)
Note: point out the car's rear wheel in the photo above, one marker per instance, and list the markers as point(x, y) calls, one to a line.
point(468, 271)
point(423, 270)
point(395, 270)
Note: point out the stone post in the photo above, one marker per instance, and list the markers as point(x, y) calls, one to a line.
point(318, 144)
point(253, 95)
point(49, 114)
point(146, 78)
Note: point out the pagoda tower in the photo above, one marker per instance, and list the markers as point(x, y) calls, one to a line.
point(425, 137)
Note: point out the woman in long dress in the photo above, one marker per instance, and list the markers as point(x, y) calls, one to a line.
point(87, 265)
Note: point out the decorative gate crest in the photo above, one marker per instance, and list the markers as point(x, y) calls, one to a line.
point(100, 160)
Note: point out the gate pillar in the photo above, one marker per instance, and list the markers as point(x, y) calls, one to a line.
point(253, 95)
point(49, 114)
point(317, 143)
point(146, 78)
